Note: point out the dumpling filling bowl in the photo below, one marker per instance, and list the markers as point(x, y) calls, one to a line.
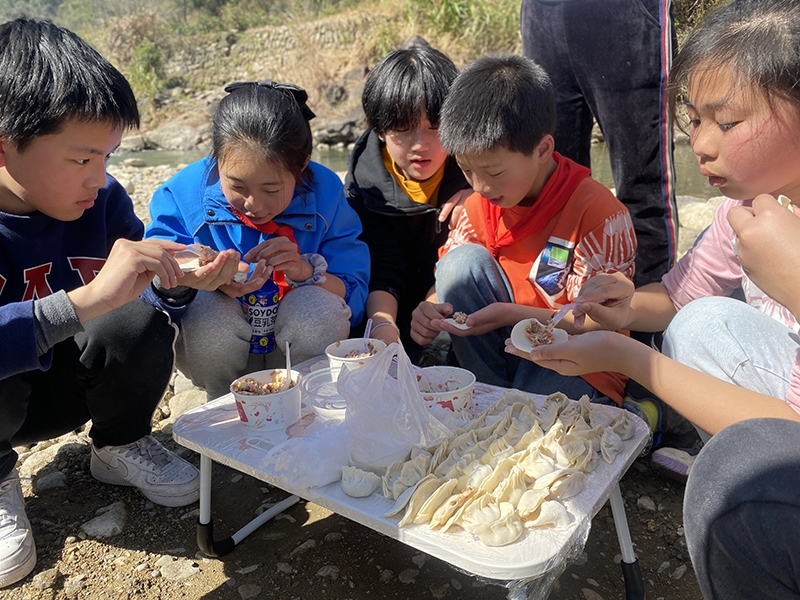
point(261, 403)
point(352, 353)
point(448, 387)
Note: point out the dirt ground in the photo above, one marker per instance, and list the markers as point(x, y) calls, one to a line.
point(309, 552)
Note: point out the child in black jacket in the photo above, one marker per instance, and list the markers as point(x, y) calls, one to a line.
point(403, 185)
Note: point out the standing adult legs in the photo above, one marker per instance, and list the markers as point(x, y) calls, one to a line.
point(613, 56)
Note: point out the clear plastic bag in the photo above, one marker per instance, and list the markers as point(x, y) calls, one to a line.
point(386, 415)
point(312, 461)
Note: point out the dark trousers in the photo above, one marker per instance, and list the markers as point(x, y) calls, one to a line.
point(113, 373)
point(608, 59)
point(742, 512)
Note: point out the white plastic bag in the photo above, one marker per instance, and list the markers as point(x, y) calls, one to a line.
point(386, 416)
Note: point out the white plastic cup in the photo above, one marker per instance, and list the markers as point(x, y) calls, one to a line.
point(269, 412)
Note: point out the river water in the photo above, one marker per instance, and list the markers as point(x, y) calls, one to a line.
point(688, 179)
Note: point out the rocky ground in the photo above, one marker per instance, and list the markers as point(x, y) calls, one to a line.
point(97, 541)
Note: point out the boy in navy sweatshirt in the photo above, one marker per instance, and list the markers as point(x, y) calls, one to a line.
point(76, 341)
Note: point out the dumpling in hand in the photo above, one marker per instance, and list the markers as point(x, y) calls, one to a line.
point(358, 483)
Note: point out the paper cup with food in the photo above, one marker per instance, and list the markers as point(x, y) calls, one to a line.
point(352, 353)
point(266, 401)
point(448, 387)
point(530, 333)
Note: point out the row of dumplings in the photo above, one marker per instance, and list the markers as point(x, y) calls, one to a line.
point(506, 470)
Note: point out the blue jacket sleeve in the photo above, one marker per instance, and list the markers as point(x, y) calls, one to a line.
point(18, 352)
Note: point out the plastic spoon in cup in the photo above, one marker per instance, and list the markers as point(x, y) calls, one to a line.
point(288, 379)
point(367, 331)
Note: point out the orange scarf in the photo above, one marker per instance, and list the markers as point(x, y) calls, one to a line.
point(555, 193)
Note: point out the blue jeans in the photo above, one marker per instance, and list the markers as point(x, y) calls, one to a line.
point(742, 512)
point(469, 278)
point(734, 342)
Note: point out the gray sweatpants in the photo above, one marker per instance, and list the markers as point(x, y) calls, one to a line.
point(213, 347)
point(742, 512)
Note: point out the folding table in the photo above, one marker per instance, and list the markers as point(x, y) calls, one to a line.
point(215, 432)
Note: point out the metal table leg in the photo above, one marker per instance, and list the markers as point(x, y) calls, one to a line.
point(205, 524)
point(634, 585)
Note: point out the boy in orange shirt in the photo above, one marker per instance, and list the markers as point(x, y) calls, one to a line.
point(536, 228)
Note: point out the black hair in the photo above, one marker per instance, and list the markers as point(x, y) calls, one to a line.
point(756, 41)
point(268, 119)
point(49, 75)
point(403, 82)
point(498, 101)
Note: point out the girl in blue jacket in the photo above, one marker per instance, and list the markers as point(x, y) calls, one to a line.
point(260, 201)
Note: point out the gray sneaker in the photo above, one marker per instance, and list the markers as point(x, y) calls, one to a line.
point(159, 474)
point(17, 551)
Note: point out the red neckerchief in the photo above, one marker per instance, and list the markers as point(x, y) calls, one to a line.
point(554, 195)
point(271, 227)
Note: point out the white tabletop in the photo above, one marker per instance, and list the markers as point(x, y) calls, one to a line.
point(214, 430)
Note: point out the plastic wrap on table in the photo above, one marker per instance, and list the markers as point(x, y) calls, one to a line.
point(310, 462)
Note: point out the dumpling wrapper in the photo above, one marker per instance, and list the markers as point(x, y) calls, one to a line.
point(521, 341)
point(456, 324)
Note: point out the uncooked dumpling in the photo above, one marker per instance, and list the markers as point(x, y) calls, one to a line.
point(442, 514)
point(537, 464)
point(502, 532)
point(610, 445)
point(530, 501)
point(424, 491)
point(551, 514)
point(358, 483)
point(512, 487)
point(436, 499)
point(624, 426)
point(570, 485)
